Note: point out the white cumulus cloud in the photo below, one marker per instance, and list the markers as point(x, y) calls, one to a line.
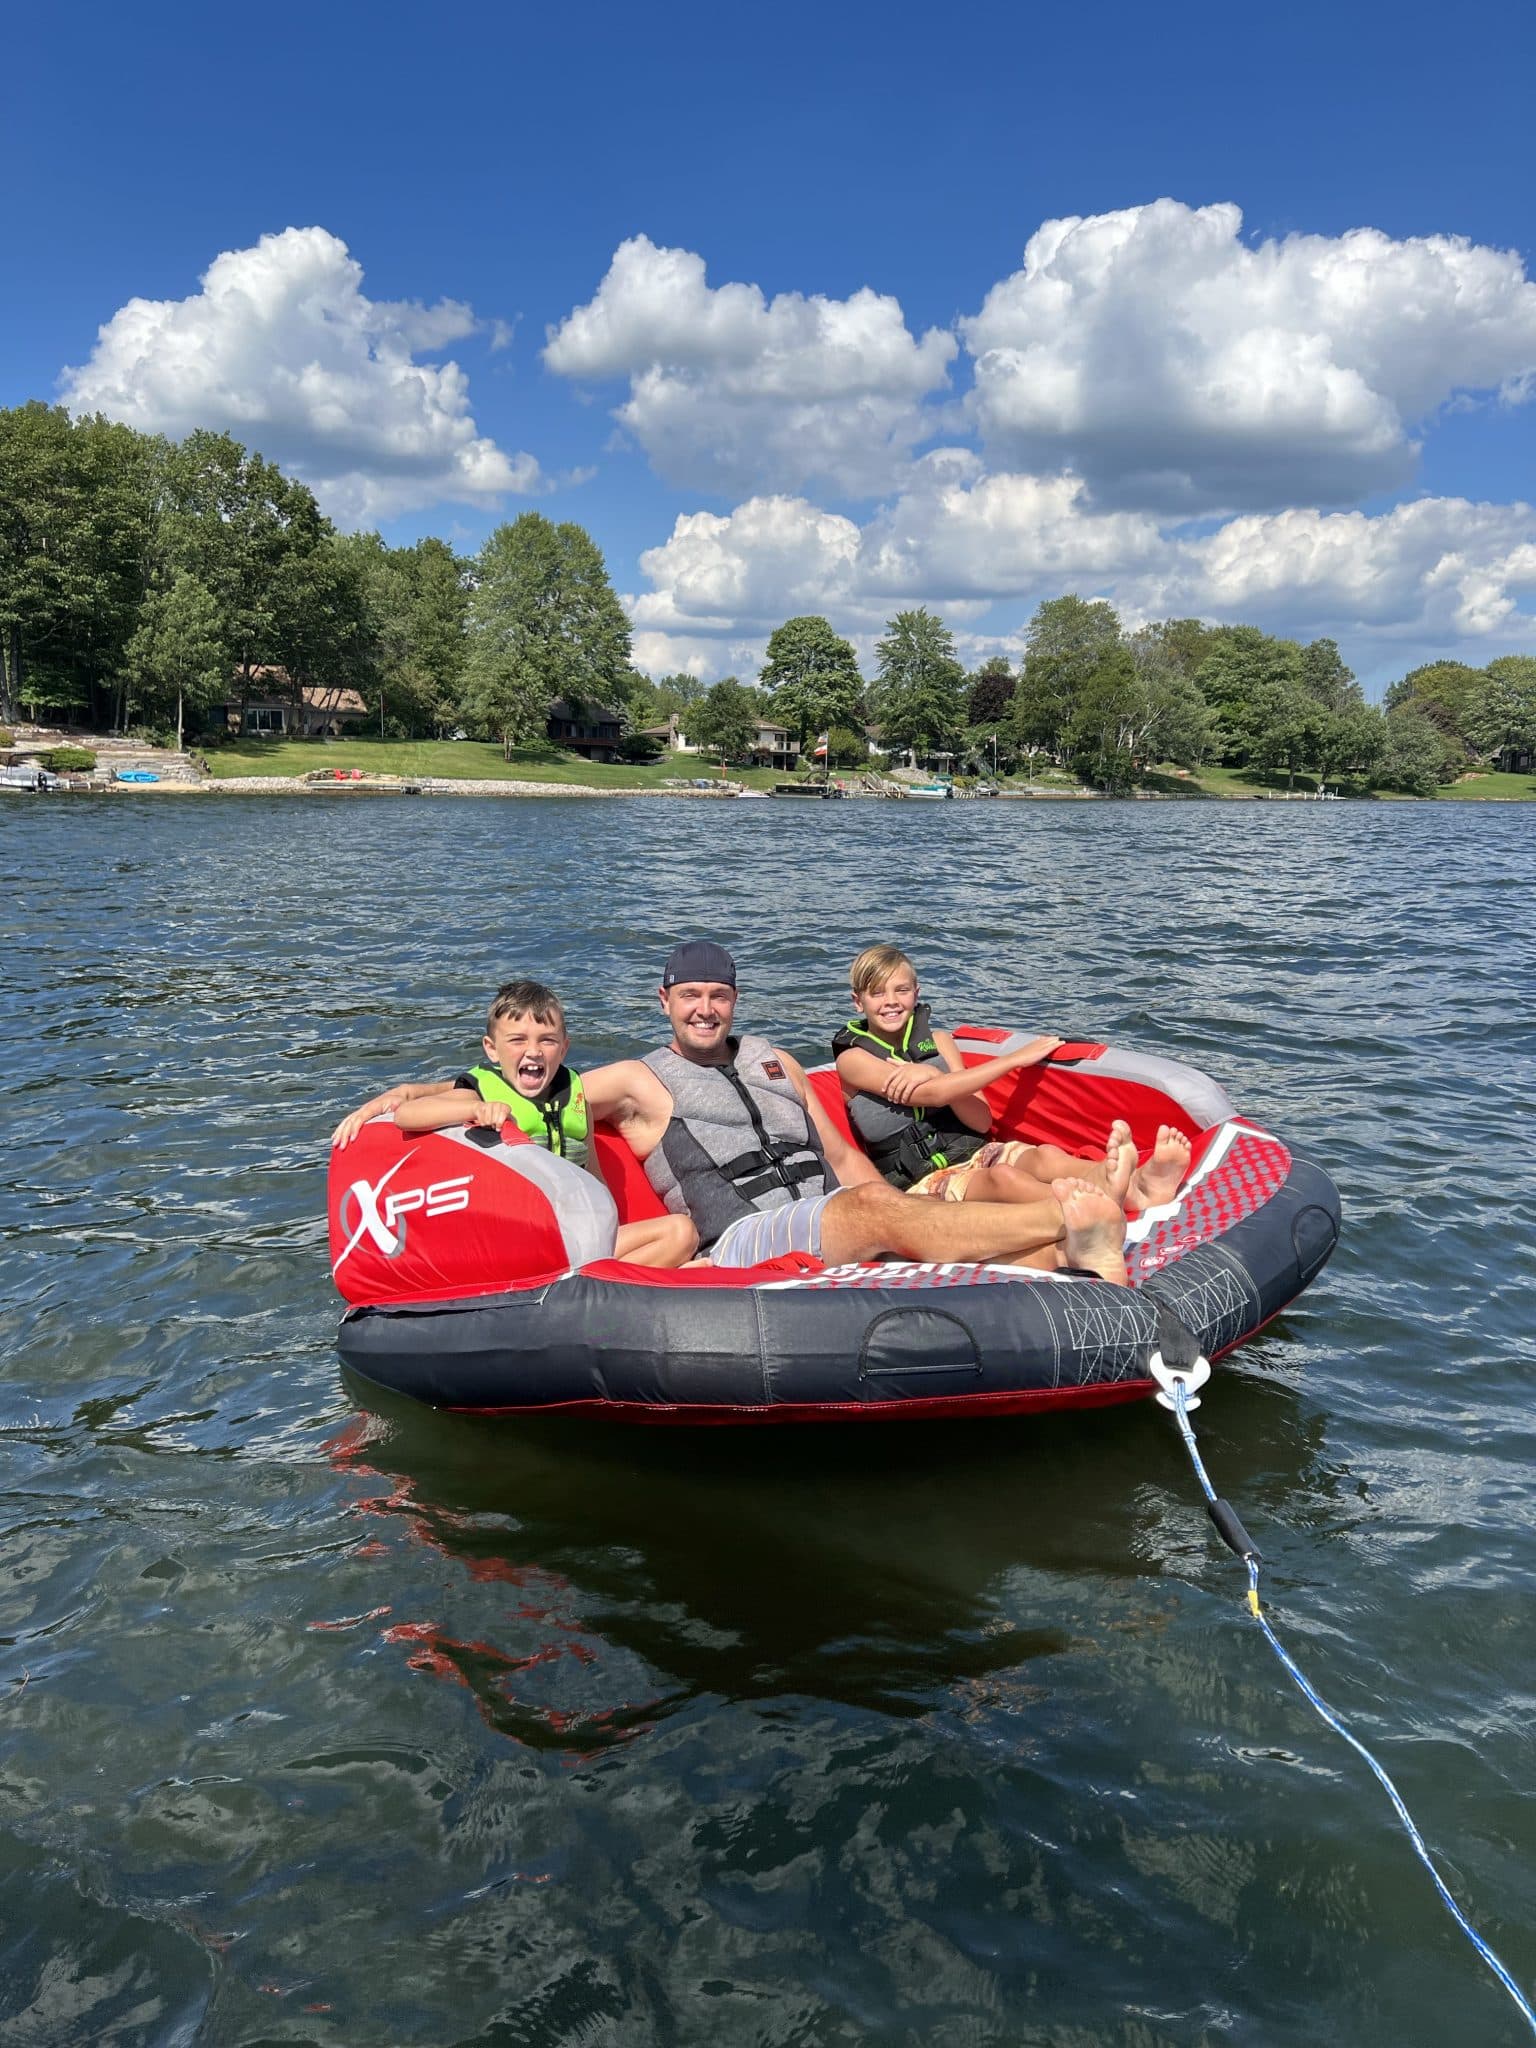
point(1437, 567)
point(1436, 571)
point(955, 538)
point(729, 390)
point(282, 349)
point(768, 560)
point(1175, 366)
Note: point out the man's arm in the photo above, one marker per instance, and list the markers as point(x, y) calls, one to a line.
point(845, 1160)
point(384, 1105)
point(628, 1095)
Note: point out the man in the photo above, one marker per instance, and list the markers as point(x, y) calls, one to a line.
point(731, 1134)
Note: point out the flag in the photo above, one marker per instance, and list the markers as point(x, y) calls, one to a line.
point(819, 751)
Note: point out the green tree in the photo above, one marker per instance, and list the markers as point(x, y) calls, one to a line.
point(1326, 679)
point(78, 512)
point(1247, 678)
point(812, 675)
point(675, 692)
point(1350, 742)
point(1505, 718)
point(991, 693)
point(1184, 643)
point(1414, 757)
point(1077, 629)
point(544, 623)
point(1108, 718)
point(1449, 695)
point(177, 649)
point(846, 748)
point(1065, 643)
point(724, 720)
point(416, 607)
point(1174, 722)
point(1043, 703)
point(246, 532)
point(919, 692)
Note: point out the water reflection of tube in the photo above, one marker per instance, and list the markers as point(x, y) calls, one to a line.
point(496, 1677)
point(884, 1573)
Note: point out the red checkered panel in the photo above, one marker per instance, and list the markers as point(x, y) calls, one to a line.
point(1254, 1169)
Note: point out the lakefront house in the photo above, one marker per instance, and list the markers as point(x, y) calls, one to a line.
point(271, 705)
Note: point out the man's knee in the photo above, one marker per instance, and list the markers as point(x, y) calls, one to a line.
point(859, 1220)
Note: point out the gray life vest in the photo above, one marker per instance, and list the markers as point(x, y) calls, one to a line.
point(739, 1139)
point(903, 1141)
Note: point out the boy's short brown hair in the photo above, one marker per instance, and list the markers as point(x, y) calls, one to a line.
point(875, 966)
point(526, 999)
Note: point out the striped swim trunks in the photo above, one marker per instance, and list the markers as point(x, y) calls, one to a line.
point(770, 1233)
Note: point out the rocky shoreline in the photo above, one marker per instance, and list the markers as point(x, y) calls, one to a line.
point(380, 785)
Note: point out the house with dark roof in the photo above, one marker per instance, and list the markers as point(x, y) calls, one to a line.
point(591, 730)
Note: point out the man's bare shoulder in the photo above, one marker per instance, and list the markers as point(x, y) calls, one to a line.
point(792, 1067)
point(626, 1091)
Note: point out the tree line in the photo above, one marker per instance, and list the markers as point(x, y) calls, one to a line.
point(144, 582)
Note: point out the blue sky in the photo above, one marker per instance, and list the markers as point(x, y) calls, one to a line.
point(790, 246)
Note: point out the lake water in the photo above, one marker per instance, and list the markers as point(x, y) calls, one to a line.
point(321, 1724)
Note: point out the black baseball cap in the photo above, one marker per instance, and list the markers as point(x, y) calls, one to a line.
point(698, 960)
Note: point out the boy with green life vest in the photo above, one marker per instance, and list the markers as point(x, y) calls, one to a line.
point(525, 1081)
point(917, 1109)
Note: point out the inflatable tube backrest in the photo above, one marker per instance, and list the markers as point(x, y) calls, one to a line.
point(829, 1092)
point(624, 1177)
point(1072, 1100)
point(453, 1213)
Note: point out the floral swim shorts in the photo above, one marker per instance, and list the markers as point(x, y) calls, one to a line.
point(948, 1184)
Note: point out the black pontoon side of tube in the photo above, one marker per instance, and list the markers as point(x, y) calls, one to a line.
point(589, 1340)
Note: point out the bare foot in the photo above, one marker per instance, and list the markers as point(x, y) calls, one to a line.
point(1095, 1228)
point(1119, 1160)
point(1163, 1175)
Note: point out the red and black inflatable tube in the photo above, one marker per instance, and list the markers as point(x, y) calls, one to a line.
point(915, 1343)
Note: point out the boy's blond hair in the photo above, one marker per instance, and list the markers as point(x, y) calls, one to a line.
point(874, 968)
point(526, 999)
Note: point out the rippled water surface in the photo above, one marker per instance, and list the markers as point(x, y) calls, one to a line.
point(325, 1724)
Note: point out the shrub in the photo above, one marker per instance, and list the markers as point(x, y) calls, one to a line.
point(64, 760)
point(7, 737)
point(847, 748)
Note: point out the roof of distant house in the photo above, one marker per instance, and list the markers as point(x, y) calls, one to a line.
point(595, 714)
point(268, 679)
point(320, 698)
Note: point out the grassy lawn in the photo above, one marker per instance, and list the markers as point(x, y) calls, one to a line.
point(481, 761)
point(1482, 788)
point(459, 761)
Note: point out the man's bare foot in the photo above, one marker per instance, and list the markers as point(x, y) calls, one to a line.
point(1095, 1225)
point(1119, 1160)
point(1163, 1174)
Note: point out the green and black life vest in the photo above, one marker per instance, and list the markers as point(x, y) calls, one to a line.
point(904, 1141)
point(557, 1119)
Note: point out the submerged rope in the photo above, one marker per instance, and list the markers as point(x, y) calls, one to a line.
point(1237, 1539)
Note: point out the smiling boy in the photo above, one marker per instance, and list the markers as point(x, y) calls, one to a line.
point(525, 1081)
point(918, 1111)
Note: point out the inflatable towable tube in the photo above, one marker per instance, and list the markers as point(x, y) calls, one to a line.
point(479, 1272)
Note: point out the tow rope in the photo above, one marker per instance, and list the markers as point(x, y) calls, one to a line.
point(1179, 1384)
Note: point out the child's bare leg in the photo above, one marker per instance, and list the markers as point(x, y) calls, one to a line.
point(658, 1241)
point(1160, 1179)
point(1040, 1165)
point(1004, 1184)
